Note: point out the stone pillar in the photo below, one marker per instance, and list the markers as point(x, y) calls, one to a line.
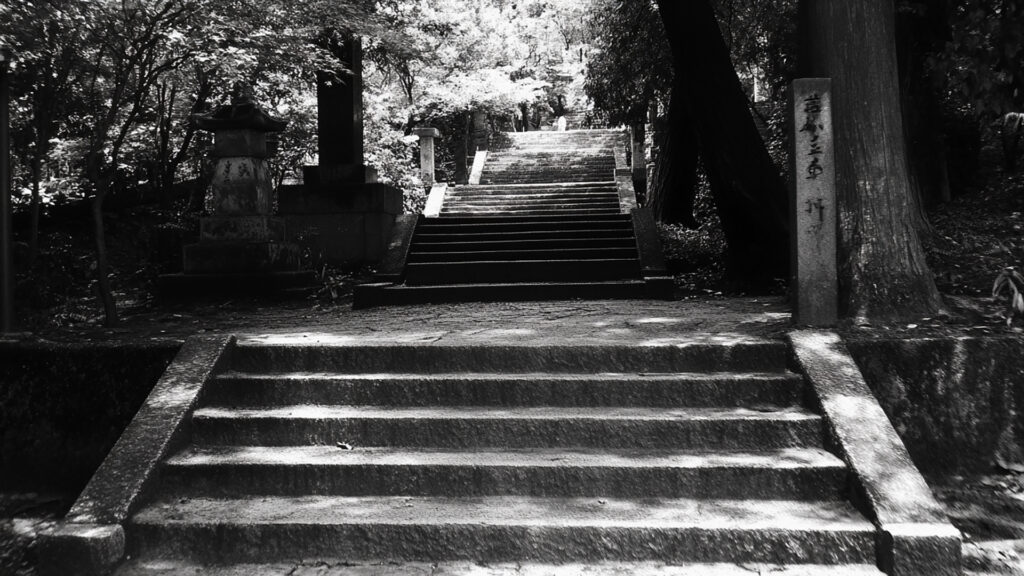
point(813, 210)
point(339, 98)
point(427, 136)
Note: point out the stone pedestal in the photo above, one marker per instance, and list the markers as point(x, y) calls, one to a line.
point(340, 214)
point(427, 137)
point(813, 210)
point(343, 226)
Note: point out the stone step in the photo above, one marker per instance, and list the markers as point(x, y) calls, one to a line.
point(530, 195)
point(447, 226)
point(610, 234)
point(542, 176)
point(585, 207)
point(556, 270)
point(501, 529)
point(790, 474)
point(463, 212)
point(369, 295)
point(533, 196)
point(341, 567)
point(665, 390)
point(522, 427)
point(567, 186)
point(417, 257)
point(595, 199)
point(526, 200)
point(513, 218)
point(687, 353)
point(537, 244)
point(553, 164)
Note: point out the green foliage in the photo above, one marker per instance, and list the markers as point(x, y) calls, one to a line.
point(982, 62)
point(631, 63)
point(1011, 282)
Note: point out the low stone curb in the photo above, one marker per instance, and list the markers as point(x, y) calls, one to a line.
point(915, 537)
point(91, 540)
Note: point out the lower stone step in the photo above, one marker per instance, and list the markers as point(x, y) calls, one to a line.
point(336, 567)
point(458, 211)
point(511, 255)
point(503, 529)
point(788, 474)
point(765, 428)
point(667, 390)
point(421, 274)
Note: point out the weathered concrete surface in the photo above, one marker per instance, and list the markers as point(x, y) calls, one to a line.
point(692, 428)
point(81, 549)
point(328, 567)
point(64, 406)
point(668, 390)
point(504, 529)
point(916, 537)
point(109, 496)
point(92, 529)
point(957, 403)
point(794, 473)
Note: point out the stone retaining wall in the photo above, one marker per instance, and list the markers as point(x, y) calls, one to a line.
point(62, 407)
point(957, 403)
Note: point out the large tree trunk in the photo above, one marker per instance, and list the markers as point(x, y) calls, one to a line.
point(882, 269)
point(672, 189)
point(749, 192)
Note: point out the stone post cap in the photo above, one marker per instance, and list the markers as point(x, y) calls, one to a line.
point(242, 114)
point(426, 132)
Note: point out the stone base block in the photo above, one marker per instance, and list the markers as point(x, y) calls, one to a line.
point(241, 228)
point(81, 549)
point(341, 174)
point(926, 549)
point(305, 199)
point(342, 238)
point(241, 257)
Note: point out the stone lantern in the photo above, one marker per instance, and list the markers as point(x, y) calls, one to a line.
point(240, 238)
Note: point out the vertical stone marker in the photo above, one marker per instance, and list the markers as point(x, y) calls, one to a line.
point(339, 99)
point(813, 210)
point(427, 136)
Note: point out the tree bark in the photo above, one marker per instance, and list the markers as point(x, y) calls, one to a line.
point(106, 295)
point(750, 194)
point(672, 189)
point(882, 269)
point(35, 208)
point(463, 122)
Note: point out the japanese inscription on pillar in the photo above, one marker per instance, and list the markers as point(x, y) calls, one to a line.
point(814, 209)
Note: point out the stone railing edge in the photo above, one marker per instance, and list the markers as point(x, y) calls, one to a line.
point(91, 539)
point(915, 538)
point(435, 200)
point(479, 159)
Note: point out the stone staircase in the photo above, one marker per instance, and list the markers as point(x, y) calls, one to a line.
point(550, 219)
point(601, 459)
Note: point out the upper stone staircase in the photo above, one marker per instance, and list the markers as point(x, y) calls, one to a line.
point(553, 216)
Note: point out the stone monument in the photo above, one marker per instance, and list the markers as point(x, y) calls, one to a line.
point(340, 213)
point(240, 240)
point(813, 209)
